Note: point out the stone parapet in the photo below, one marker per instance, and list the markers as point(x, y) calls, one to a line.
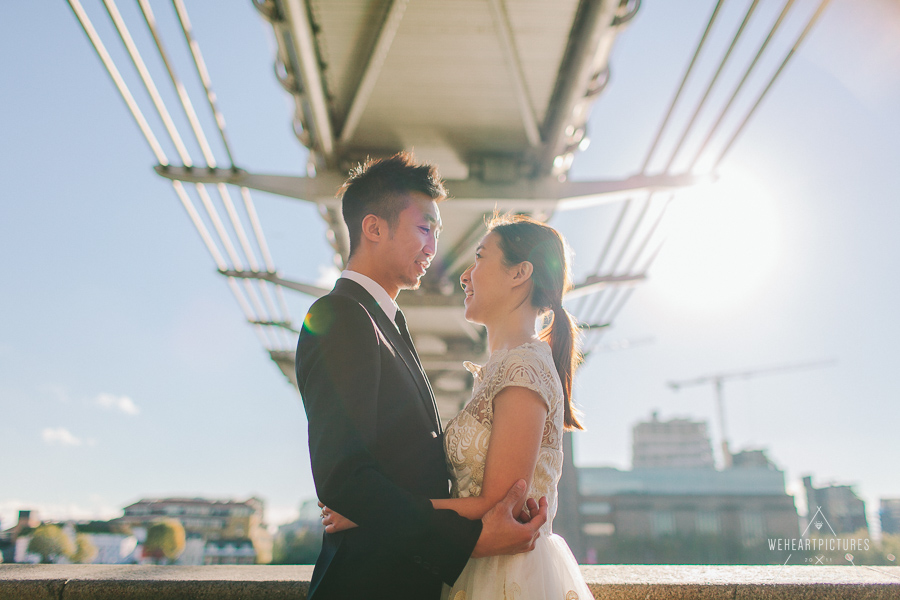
point(618, 582)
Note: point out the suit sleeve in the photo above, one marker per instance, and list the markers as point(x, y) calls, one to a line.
point(338, 372)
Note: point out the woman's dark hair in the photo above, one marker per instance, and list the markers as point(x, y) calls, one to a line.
point(524, 239)
point(376, 188)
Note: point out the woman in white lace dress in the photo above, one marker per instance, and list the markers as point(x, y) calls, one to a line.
point(521, 404)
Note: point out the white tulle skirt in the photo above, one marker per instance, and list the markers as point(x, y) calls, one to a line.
point(548, 571)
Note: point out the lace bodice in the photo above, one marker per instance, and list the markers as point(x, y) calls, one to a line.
point(468, 434)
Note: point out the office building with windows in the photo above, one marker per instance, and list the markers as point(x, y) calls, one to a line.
point(675, 507)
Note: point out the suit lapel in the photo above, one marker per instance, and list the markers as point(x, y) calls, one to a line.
point(412, 363)
point(392, 335)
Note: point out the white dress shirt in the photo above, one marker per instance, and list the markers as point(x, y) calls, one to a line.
point(383, 299)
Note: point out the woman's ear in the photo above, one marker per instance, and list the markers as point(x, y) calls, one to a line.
point(372, 228)
point(522, 272)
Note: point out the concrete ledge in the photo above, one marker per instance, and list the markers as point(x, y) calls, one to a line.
point(639, 582)
point(618, 582)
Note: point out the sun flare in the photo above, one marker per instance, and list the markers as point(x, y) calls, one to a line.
point(723, 242)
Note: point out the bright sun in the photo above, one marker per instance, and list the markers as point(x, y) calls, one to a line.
point(723, 241)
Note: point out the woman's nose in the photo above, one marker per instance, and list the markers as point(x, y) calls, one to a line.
point(464, 278)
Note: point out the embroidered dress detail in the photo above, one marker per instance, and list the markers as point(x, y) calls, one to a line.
point(550, 570)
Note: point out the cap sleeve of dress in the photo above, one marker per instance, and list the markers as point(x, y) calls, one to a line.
point(525, 367)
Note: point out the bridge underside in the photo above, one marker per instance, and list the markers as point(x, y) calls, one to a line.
point(495, 92)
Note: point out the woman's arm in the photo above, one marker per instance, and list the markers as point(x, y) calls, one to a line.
point(519, 417)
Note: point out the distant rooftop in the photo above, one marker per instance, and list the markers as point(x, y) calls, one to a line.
point(203, 501)
point(609, 481)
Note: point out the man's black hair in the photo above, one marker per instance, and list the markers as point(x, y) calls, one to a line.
point(378, 188)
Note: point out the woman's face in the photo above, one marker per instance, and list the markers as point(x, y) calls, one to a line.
point(487, 282)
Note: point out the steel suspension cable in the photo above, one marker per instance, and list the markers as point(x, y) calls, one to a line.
point(691, 123)
point(598, 315)
point(597, 298)
point(614, 310)
point(711, 85)
point(263, 246)
point(724, 111)
point(203, 73)
point(127, 40)
point(815, 17)
point(206, 82)
point(161, 158)
point(697, 156)
point(107, 61)
point(653, 146)
point(677, 96)
point(219, 118)
point(222, 189)
point(158, 103)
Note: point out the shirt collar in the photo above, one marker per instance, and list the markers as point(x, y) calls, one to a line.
point(383, 299)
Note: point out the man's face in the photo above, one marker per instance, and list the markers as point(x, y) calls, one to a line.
point(412, 242)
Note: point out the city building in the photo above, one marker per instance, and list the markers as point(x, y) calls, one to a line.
point(672, 444)
point(208, 521)
point(699, 515)
point(843, 509)
point(113, 548)
point(115, 544)
point(229, 552)
point(751, 459)
point(890, 516)
point(675, 507)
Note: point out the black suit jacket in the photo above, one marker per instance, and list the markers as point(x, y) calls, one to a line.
point(376, 448)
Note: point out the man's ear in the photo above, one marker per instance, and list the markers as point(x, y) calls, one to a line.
point(373, 228)
point(522, 272)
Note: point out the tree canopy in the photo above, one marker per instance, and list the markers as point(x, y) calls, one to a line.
point(51, 543)
point(165, 540)
point(85, 550)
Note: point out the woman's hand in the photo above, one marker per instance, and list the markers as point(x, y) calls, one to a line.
point(333, 521)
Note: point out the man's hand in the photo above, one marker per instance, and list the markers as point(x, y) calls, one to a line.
point(502, 533)
point(333, 521)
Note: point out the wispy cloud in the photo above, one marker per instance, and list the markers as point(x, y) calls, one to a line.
point(61, 436)
point(120, 403)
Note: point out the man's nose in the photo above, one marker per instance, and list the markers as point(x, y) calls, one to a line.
point(431, 246)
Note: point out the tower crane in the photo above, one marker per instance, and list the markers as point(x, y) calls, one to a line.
point(718, 379)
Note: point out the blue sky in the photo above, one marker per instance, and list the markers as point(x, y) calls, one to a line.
point(126, 370)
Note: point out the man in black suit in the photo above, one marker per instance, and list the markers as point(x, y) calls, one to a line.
point(375, 437)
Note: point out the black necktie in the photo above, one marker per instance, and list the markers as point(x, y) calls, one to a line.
point(400, 320)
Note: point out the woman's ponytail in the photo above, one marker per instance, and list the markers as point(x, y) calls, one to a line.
point(524, 239)
point(561, 333)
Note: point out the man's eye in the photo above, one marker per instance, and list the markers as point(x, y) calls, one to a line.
point(424, 229)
